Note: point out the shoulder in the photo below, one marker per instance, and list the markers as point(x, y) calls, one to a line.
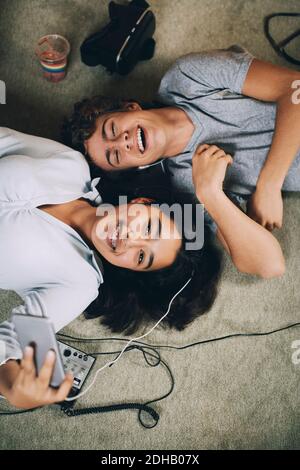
point(37, 148)
point(205, 70)
point(206, 56)
point(16, 140)
point(41, 167)
point(211, 57)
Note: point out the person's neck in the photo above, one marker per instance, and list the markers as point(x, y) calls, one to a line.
point(82, 218)
point(78, 214)
point(178, 127)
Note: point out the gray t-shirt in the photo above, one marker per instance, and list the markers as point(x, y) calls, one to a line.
point(208, 87)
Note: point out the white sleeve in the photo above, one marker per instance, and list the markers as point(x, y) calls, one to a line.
point(17, 143)
point(61, 304)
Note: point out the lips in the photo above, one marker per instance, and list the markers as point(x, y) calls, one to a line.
point(141, 143)
point(145, 139)
point(113, 238)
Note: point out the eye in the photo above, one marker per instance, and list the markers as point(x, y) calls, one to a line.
point(113, 129)
point(141, 257)
point(117, 155)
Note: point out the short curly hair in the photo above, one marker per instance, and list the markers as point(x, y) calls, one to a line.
point(81, 125)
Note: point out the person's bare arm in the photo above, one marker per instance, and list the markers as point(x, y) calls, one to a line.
point(268, 82)
point(222, 240)
point(253, 249)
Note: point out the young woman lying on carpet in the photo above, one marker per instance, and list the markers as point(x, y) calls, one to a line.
point(247, 107)
point(53, 225)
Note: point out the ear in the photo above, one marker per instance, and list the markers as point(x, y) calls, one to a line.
point(142, 200)
point(132, 106)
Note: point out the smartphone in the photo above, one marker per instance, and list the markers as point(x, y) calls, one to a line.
point(39, 333)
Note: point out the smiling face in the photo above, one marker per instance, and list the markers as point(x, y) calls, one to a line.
point(137, 237)
point(127, 139)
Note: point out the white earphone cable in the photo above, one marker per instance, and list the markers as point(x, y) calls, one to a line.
point(108, 364)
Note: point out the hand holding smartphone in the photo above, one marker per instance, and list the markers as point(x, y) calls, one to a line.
point(39, 333)
point(24, 388)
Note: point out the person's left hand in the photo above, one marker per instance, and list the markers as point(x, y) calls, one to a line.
point(266, 207)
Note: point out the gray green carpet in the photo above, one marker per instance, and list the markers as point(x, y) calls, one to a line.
point(236, 394)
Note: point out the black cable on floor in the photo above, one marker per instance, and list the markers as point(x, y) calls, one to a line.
point(186, 346)
point(279, 47)
point(144, 347)
point(142, 407)
point(145, 411)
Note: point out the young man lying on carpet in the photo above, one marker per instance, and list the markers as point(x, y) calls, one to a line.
point(208, 102)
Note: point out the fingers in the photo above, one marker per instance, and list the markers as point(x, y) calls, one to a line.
point(27, 363)
point(225, 156)
point(207, 149)
point(201, 147)
point(269, 227)
point(278, 225)
point(213, 151)
point(65, 387)
point(47, 369)
point(30, 391)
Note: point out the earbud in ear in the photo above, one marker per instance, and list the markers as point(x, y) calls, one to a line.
point(144, 167)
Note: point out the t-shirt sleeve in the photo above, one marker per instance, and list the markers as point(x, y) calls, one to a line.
point(60, 304)
point(17, 143)
point(199, 74)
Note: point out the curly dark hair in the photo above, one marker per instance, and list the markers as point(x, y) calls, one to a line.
point(81, 125)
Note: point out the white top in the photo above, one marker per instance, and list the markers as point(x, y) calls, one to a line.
point(44, 260)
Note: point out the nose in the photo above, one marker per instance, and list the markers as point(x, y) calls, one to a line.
point(129, 244)
point(131, 239)
point(125, 141)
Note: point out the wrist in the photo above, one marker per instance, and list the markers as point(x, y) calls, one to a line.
point(206, 194)
point(210, 195)
point(269, 181)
